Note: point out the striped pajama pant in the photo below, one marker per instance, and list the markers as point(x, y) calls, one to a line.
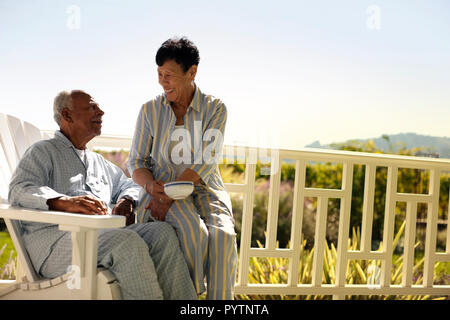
point(205, 229)
point(145, 258)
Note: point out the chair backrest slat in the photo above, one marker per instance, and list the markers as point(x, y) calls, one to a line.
point(18, 135)
point(8, 143)
point(32, 133)
point(15, 138)
point(5, 174)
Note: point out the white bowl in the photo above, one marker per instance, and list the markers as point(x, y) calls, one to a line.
point(178, 190)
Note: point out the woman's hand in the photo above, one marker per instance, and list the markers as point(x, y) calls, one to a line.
point(159, 208)
point(156, 190)
point(160, 202)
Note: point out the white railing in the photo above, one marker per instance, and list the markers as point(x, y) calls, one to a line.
point(348, 160)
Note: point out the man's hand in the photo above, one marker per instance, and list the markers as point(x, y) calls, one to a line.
point(78, 204)
point(124, 207)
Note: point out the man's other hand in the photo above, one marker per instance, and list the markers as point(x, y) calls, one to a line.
point(124, 207)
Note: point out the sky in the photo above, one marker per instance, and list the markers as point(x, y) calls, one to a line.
point(289, 72)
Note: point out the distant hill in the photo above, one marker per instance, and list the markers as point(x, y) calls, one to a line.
point(432, 146)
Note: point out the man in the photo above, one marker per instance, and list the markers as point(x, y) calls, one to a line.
point(61, 174)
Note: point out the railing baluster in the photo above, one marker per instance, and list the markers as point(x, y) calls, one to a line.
point(367, 219)
point(319, 241)
point(410, 237)
point(297, 221)
point(388, 231)
point(274, 197)
point(344, 224)
point(447, 246)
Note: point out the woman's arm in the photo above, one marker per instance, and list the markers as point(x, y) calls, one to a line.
point(143, 177)
point(189, 175)
point(160, 202)
point(140, 150)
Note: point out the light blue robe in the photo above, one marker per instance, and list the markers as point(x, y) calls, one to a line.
point(52, 168)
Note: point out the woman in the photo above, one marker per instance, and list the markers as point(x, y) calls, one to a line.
point(178, 137)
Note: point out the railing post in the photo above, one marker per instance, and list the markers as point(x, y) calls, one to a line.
point(430, 241)
point(247, 217)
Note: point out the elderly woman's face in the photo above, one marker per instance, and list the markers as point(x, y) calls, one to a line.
point(175, 82)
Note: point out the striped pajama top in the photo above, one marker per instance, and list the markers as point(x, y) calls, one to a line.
point(200, 146)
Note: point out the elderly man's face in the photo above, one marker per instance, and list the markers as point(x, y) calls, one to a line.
point(86, 115)
point(174, 80)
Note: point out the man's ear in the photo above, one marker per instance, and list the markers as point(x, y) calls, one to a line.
point(66, 115)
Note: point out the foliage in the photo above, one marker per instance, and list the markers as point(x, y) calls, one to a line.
point(8, 269)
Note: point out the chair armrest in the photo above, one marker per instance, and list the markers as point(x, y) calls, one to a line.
point(84, 236)
point(61, 218)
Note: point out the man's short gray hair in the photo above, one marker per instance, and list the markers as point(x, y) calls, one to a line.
point(62, 100)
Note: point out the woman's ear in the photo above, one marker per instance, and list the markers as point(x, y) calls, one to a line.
point(192, 72)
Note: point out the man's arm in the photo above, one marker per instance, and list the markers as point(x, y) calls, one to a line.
point(124, 192)
point(123, 187)
point(29, 186)
point(29, 183)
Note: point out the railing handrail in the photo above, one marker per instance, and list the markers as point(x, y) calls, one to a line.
point(319, 154)
point(124, 142)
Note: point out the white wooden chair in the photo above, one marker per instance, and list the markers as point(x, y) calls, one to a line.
point(85, 281)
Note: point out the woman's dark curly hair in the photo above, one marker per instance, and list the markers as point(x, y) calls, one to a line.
point(182, 50)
